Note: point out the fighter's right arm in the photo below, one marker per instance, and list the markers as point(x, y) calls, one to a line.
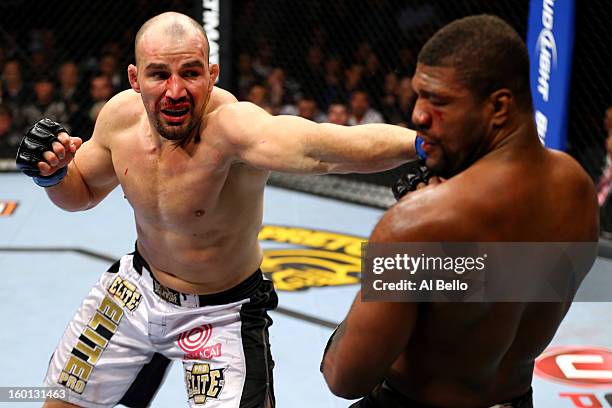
point(90, 175)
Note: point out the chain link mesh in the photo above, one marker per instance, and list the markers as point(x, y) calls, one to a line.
point(309, 58)
point(64, 59)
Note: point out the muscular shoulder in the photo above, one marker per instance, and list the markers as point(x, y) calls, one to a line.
point(121, 112)
point(219, 98)
point(235, 121)
point(568, 171)
point(473, 206)
point(435, 213)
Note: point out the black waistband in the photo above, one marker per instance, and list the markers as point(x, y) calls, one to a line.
point(243, 290)
point(387, 396)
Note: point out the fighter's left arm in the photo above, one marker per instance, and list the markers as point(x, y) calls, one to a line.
point(374, 334)
point(364, 346)
point(296, 145)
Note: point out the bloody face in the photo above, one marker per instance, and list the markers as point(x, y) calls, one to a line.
point(450, 118)
point(175, 83)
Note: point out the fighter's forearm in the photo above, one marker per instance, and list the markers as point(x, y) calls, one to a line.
point(362, 149)
point(72, 193)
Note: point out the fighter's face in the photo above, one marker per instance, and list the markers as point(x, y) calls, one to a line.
point(450, 118)
point(175, 82)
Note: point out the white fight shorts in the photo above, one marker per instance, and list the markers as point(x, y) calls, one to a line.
point(119, 345)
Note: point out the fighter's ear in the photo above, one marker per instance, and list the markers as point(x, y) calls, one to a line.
point(133, 77)
point(214, 75)
point(501, 101)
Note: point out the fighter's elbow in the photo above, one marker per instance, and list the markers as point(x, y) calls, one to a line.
point(346, 389)
point(72, 206)
point(344, 385)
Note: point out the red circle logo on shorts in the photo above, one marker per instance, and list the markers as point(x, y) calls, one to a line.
point(192, 340)
point(576, 365)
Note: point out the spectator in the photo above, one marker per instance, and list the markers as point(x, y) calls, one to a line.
point(389, 97)
point(333, 80)
point(373, 79)
point(45, 104)
point(337, 113)
point(15, 93)
point(361, 112)
point(401, 112)
point(306, 107)
point(68, 76)
point(263, 60)
point(100, 91)
point(109, 65)
point(9, 135)
point(352, 79)
point(279, 95)
point(258, 94)
point(73, 95)
point(313, 76)
point(42, 53)
point(246, 75)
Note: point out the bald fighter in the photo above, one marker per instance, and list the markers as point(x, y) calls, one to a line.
point(475, 114)
point(193, 163)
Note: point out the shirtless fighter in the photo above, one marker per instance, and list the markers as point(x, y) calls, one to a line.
point(193, 163)
point(474, 112)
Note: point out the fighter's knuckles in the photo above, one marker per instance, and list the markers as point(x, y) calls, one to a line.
point(51, 158)
point(63, 138)
point(59, 150)
point(44, 168)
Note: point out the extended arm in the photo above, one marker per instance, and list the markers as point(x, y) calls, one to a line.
point(293, 144)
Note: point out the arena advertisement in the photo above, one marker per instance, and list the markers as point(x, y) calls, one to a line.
point(581, 375)
point(314, 258)
point(550, 39)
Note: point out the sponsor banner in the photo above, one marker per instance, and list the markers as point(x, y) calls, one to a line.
point(314, 258)
point(575, 376)
point(216, 18)
point(478, 272)
point(550, 39)
point(578, 366)
point(194, 343)
point(204, 383)
point(92, 343)
point(7, 208)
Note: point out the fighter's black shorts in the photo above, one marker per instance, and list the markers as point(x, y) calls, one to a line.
point(385, 396)
point(119, 345)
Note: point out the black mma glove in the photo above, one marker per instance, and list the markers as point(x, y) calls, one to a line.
point(416, 173)
point(37, 140)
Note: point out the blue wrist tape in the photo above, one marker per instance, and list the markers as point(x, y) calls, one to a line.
point(55, 178)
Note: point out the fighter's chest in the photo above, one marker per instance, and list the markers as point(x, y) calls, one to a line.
point(172, 184)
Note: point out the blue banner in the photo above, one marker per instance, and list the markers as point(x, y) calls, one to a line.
point(550, 39)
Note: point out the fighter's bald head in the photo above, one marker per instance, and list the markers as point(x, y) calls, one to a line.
point(170, 25)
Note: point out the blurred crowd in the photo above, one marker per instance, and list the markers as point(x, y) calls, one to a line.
point(327, 62)
point(72, 91)
point(46, 85)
